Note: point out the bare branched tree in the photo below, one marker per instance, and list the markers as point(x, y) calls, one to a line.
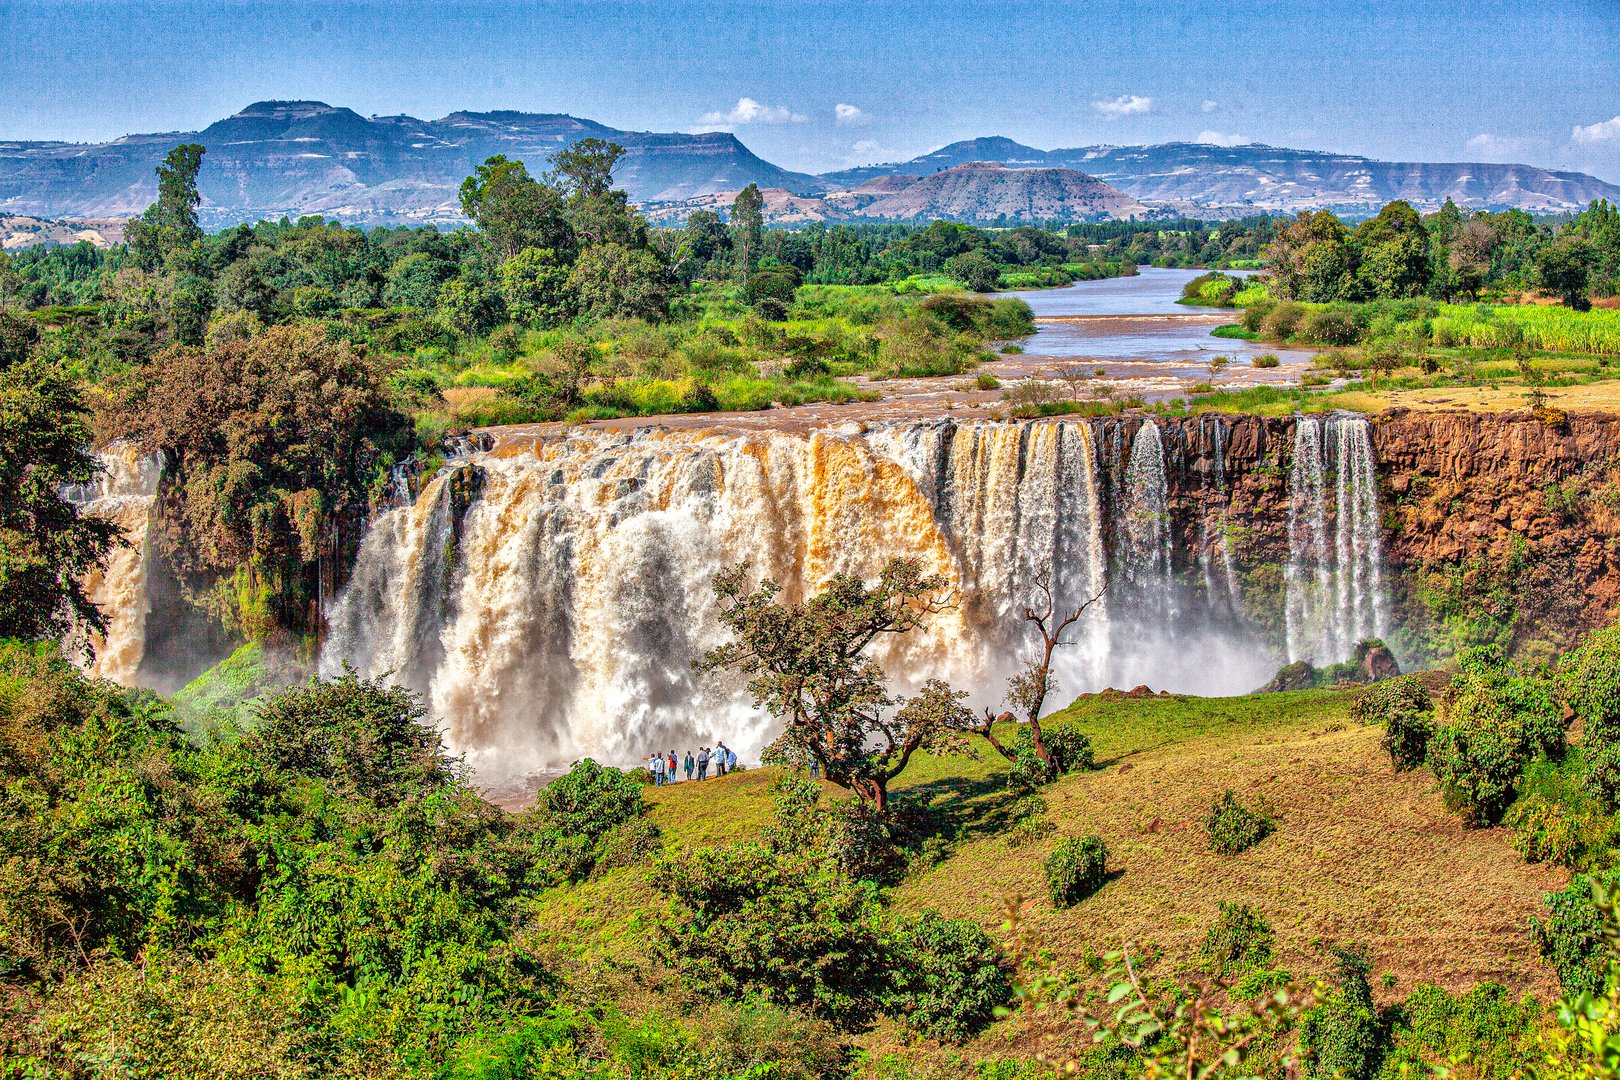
point(1028, 690)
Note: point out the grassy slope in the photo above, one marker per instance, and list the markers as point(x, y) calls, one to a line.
point(1359, 854)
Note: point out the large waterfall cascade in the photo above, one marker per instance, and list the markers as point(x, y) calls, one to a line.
point(547, 594)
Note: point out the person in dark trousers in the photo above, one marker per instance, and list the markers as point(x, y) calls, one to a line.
point(703, 763)
point(673, 772)
point(815, 769)
point(720, 755)
point(691, 763)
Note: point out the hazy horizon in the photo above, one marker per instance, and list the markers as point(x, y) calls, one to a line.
point(835, 83)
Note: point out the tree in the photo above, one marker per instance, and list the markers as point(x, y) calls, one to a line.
point(171, 222)
point(47, 547)
point(614, 281)
point(1565, 267)
point(535, 285)
point(1309, 259)
point(974, 269)
point(1470, 255)
point(584, 170)
point(807, 666)
point(268, 440)
point(1028, 690)
point(747, 228)
point(515, 210)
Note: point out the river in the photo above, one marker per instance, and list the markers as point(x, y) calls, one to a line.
point(1133, 326)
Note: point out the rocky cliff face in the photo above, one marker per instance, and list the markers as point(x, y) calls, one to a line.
point(1495, 527)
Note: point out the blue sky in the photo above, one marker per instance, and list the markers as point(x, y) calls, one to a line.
point(820, 84)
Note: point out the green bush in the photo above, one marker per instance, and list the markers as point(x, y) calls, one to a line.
point(1239, 940)
point(787, 928)
point(1491, 724)
point(1335, 324)
point(1340, 1038)
point(1077, 867)
point(1485, 1028)
point(1588, 681)
point(947, 976)
point(1265, 360)
point(1570, 937)
point(1068, 748)
point(1402, 707)
point(1233, 828)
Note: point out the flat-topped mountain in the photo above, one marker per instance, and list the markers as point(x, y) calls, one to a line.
point(307, 157)
point(1270, 178)
point(293, 158)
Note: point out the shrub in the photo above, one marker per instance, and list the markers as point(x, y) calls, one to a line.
point(987, 381)
point(947, 976)
point(862, 842)
point(1339, 1038)
point(1265, 360)
point(1484, 1027)
point(1490, 724)
point(1588, 681)
point(1570, 938)
point(1069, 749)
point(787, 928)
point(1402, 706)
point(1028, 826)
point(1077, 867)
point(1234, 828)
point(1279, 322)
point(1238, 940)
point(1335, 324)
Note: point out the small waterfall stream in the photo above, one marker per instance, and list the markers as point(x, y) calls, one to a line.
point(1334, 574)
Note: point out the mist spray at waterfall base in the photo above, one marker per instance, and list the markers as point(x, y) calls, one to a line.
point(548, 596)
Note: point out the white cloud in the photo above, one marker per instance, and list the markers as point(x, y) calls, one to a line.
point(1209, 105)
point(867, 146)
point(1124, 105)
point(1603, 131)
point(749, 111)
point(1498, 147)
point(848, 114)
point(1222, 138)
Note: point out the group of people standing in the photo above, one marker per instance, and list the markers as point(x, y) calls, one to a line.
point(665, 768)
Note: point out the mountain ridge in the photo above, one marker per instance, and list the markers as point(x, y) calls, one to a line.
point(1264, 179)
point(293, 158)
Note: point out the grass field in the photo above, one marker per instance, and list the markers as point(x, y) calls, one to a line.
point(1359, 855)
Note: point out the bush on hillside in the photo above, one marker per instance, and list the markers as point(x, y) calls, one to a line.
point(1335, 324)
point(749, 922)
point(947, 976)
point(1077, 867)
point(1401, 706)
point(1570, 937)
point(1237, 941)
point(1490, 725)
point(1485, 1027)
point(1068, 747)
point(1233, 828)
point(1340, 1039)
point(1588, 681)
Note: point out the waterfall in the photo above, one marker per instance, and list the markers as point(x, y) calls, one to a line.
point(124, 494)
point(1334, 574)
point(548, 593)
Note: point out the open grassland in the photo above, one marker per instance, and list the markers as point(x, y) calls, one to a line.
point(1359, 854)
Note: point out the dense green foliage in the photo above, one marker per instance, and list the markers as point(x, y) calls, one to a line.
point(1401, 706)
point(1075, 869)
point(1238, 941)
point(1340, 1037)
point(1233, 828)
point(47, 548)
point(1490, 724)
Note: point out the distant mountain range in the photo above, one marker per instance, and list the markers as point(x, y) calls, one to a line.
point(307, 157)
point(294, 158)
point(1257, 178)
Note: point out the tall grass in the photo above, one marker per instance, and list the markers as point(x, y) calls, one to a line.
point(1548, 329)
